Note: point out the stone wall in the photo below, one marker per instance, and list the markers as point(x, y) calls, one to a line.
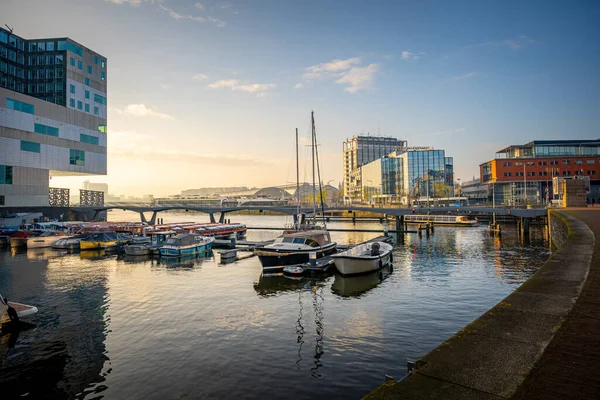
point(558, 230)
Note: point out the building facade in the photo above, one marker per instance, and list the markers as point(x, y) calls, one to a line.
point(406, 174)
point(522, 174)
point(475, 191)
point(359, 151)
point(53, 113)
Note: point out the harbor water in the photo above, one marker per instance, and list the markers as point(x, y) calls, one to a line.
point(113, 327)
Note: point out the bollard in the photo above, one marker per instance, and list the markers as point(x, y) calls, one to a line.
point(385, 231)
point(419, 230)
point(312, 257)
point(233, 240)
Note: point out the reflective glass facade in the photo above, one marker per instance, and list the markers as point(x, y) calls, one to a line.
point(426, 173)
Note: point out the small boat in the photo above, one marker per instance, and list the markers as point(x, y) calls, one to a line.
point(295, 248)
point(70, 243)
point(363, 258)
point(22, 311)
point(354, 286)
point(293, 271)
point(187, 244)
point(99, 241)
point(151, 247)
point(460, 220)
point(46, 239)
point(19, 238)
point(5, 235)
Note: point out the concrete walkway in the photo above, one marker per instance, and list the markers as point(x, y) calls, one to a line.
point(493, 357)
point(570, 366)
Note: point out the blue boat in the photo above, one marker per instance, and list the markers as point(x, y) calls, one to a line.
point(187, 244)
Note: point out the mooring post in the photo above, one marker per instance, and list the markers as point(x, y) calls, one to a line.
point(525, 226)
point(354, 217)
point(398, 223)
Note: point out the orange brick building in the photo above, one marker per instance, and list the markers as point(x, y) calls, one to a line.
point(521, 174)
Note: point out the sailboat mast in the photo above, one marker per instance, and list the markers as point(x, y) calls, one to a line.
point(297, 179)
point(319, 174)
point(312, 119)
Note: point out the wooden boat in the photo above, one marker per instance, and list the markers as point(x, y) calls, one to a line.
point(363, 258)
point(460, 220)
point(295, 248)
point(22, 310)
point(46, 239)
point(187, 244)
point(100, 240)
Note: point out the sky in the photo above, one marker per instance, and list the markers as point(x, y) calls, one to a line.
point(209, 93)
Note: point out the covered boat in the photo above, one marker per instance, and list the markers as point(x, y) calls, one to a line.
point(187, 244)
point(156, 241)
point(99, 240)
point(363, 258)
point(46, 239)
point(70, 243)
point(295, 248)
point(21, 310)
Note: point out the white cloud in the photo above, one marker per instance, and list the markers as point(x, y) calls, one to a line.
point(130, 2)
point(199, 77)
point(172, 14)
point(140, 110)
point(199, 6)
point(178, 16)
point(465, 76)
point(347, 72)
point(217, 22)
point(261, 89)
point(166, 86)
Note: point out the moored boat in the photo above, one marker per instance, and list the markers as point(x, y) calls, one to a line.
point(187, 244)
point(19, 238)
point(46, 239)
point(70, 243)
point(363, 258)
point(295, 248)
point(460, 220)
point(152, 247)
point(21, 311)
point(100, 240)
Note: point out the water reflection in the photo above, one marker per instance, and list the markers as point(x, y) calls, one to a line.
point(355, 286)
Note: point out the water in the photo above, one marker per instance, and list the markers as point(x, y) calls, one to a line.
point(116, 328)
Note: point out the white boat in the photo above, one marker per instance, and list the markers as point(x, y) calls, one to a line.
point(22, 310)
point(46, 239)
point(363, 258)
point(70, 243)
point(460, 220)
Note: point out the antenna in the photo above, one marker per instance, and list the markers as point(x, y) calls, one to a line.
point(9, 28)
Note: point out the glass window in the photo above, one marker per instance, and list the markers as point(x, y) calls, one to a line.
point(72, 61)
point(41, 46)
point(99, 99)
point(12, 55)
point(88, 139)
point(79, 64)
point(6, 175)
point(89, 69)
point(96, 111)
point(102, 75)
point(96, 60)
point(77, 157)
point(87, 81)
point(19, 106)
point(578, 162)
point(102, 128)
point(46, 130)
point(3, 37)
point(50, 46)
point(72, 103)
point(87, 107)
point(12, 41)
point(72, 88)
point(75, 49)
point(59, 59)
point(62, 45)
point(103, 63)
point(79, 105)
point(30, 146)
point(87, 94)
point(590, 161)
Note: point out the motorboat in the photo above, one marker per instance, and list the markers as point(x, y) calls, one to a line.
point(46, 239)
point(295, 248)
point(151, 247)
point(70, 243)
point(460, 220)
point(21, 311)
point(15, 221)
point(363, 258)
point(355, 286)
point(187, 244)
point(19, 238)
point(5, 235)
point(99, 241)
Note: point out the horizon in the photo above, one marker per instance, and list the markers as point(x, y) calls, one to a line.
point(188, 79)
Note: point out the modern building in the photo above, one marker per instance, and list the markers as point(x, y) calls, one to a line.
point(359, 151)
point(475, 191)
point(96, 186)
point(53, 108)
point(406, 174)
point(522, 174)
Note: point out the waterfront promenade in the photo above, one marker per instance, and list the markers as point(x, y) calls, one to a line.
point(541, 342)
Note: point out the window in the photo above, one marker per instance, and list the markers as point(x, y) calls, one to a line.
point(88, 139)
point(30, 146)
point(45, 130)
point(96, 111)
point(555, 162)
point(102, 128)
point(41, 46)
point(578, 162)
point(103, 63)
point(590, 162)
point(542, 163)
point(72, 89)
point(87, 107)
point(99, 99)
point(531, 174)
point(19, 106)
point(62, 45)
point(72, 61)
point(96, 60)
point(79, 64)
point(543, 173)
point(6, 174)
point(2, 201)
point(50, 46)
point(519, 164)
point(507, 164)
point(72, 103)
point(90, 70)
point(102, 75)
point(75, 49)
point(519, 174)
point(87, 94)
point(508, 174)
point(3, 37)
point(79, 105)
point(530, 163)
point(77, 157)
point(87, 81)
point(566, 173)
point(566, 162)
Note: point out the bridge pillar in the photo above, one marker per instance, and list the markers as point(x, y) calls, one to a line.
point(222, 218)
point(96, 216)
point(152, 220)
point(212, 218)
point(524, 222)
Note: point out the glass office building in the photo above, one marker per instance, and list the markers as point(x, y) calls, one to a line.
point(53, 109)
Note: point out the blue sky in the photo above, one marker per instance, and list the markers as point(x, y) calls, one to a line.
point(208, 93)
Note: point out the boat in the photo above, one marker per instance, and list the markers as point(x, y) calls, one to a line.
point(99, 241)
point(460, 220)
point(21, 311)
point(19, 238)
point(364, 258)
point(5, 235)
point(293, 271)
point(187, 244)
point(355, 286)
point(295, 248)
point(70, 243)
point(152, 247)
point(46, 239)
point(15, 221)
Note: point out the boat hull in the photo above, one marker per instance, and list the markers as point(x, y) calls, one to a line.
point(137, 250)
point(182, 251)
point(272, 259)
point(39, 242)
point(356, 266)
point(18, 242)
point(93, 245)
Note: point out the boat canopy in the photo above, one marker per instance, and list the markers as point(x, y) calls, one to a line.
point(184, 239)
point(102, 237)
point(312, 238)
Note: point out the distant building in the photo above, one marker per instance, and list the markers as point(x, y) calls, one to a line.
point(475, 191)
point(361, 150)
point(53, 108)
point(98, 187)
point(521, 174)
point(404, 175)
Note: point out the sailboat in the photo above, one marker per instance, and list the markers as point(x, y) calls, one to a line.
point(296, 246)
